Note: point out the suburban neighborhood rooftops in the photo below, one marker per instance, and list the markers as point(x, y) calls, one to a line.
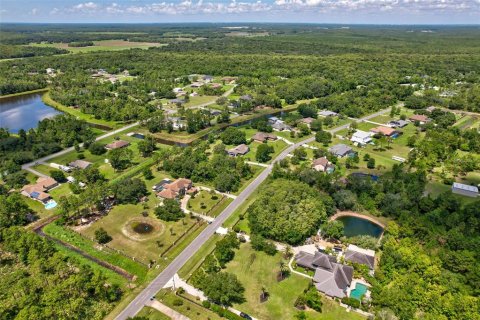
point(117, 144)
point(80, 164)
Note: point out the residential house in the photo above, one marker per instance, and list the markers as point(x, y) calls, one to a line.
point(239, 150)
point(176, 189)
point(47, 183)
point(159, 186)
point(207, 78)
point(215, 85)
point(308, 121)
point(281, 126)
point(177, 90)
point(465, 190)
point(341, 150)
point(177, 101)
point(38, 191)
point(431, 109)
point(263, 136)
point(330, 277)
point(80, 164)
point(384, 131)
point(117, 144)
point(361, 256)
point(422, 119)
point(246, 97)
point(398, 123)
point(327, 113)
point(322, 164)
point(196, 85)
point(361, 137)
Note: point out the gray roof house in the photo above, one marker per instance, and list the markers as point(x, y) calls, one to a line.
point(330, 277)
point(361, 256)
point(340, 150)
point(465, 189)
point(80, 164)
point(398, 123)
point(239, 150)
point(327, 113)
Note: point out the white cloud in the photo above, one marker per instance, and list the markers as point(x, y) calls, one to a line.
point(34, 11)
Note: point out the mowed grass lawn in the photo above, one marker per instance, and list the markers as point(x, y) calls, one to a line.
point(102, 45)
point(256, 269)
point(152, 314)
point(204, 201)
point(188, 308)
point(118, 225)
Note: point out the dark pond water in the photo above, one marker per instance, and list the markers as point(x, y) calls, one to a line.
point(354, 226)
point(24, 112)
point(143, 228)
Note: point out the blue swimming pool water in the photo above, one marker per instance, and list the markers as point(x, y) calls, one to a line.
point(359, 291)
point(50, 204)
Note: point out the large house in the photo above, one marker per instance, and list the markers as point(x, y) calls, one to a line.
point(117, 144)
point(398, 123)
point(361, 256)
point(39, 190)
point(322, 164)
point(263, 136)
point(330, 277)
point(361, 137)
point(422, 119)
point(176, 189)
point(465, 189)
point(80, 164)
point(384, 131)
point(239, 150)
point(341, 150)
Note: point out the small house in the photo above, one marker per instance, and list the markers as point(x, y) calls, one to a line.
point(384, 131)
point(341, 150)
point(263, 136)
point(361, 137)
point(80, 164)
point(239, 150)
point(422, 119)
point(327, 113)
point(308, 121)
point(117, 144)
point(322, 164)
point(398, 123)
point(465, 189)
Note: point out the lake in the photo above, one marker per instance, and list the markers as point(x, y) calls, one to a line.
point(354, 226)
point(24, 112)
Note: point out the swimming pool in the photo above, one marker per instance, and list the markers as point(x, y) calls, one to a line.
point(359, 291)
point(50, 204)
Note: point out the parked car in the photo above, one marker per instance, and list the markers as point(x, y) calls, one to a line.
point(245, 316)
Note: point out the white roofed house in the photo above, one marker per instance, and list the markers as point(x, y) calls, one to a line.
point(361, 137)
point(465, 190)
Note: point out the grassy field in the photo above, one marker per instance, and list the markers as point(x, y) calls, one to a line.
point(189, 309)
point(120, 222)
point(102, 45)
point(197, 259)
point(152, 314)
point(256, 270)
point(204, 202)
point(95, 250)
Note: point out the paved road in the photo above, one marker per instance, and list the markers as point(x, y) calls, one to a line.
point(27, 166)
point(161, 280)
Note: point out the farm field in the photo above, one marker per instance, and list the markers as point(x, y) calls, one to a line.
point(102, 45)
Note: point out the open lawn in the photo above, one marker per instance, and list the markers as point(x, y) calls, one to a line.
point(434, 188)
point(467, 122)
point(187, 308)
point(204, 201)
point(194, 262)
point(152, 314)
point(120, 224)
point(102, 45)
point(256, 270)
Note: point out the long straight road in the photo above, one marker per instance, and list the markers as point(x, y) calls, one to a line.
point(28, 166)
point(161, 280)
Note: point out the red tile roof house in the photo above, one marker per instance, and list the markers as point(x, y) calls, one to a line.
point(385, 131)
point(321, 164)
point(420, 118)
point(262, 137)
point(176, 189)
point(117, 144)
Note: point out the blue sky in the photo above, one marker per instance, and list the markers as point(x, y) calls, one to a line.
point(312, 11)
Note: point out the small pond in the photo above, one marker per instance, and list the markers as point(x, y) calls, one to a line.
point(24, 112)
point(354, 226)
point(142, 228)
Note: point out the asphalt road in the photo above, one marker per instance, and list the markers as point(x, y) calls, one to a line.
point(27, 166)
point(161, 280)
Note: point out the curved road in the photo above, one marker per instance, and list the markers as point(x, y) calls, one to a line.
point(161, 280)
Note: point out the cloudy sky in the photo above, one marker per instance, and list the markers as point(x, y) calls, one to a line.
point(316, 11)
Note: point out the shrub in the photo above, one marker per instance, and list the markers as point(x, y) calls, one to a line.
point(177, 302)
point(97, 148)
point(352, 302)
point(58, 175)
point(102, 236)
